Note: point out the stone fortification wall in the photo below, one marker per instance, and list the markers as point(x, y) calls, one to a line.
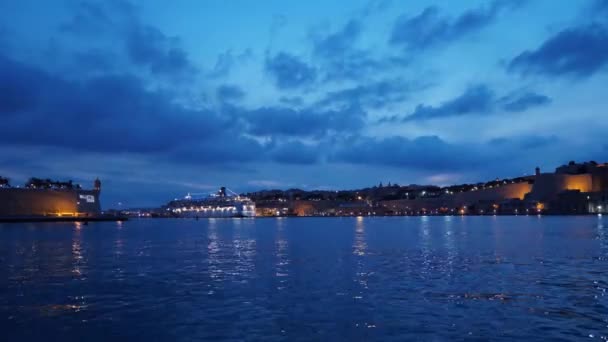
point(548, 185)
point(496, 195)
point(45, 202)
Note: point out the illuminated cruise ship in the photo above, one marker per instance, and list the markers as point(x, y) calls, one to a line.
point(219, 204)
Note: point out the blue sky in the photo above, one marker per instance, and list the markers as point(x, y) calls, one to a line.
point(162, 98)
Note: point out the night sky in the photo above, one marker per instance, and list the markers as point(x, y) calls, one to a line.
point(160, 98)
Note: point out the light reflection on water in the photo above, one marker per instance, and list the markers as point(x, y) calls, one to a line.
point(406, 278)
point(244, 251)
point(359, 250)
point(282, 255)
point(213, 252)
point(78, 261)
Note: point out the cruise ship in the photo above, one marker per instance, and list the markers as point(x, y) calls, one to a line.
point(219, 204)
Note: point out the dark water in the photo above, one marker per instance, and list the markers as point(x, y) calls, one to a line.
point(406, 278)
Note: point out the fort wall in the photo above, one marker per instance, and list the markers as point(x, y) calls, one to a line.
point(48, 202)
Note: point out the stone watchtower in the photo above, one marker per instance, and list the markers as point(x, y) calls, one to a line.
point(537, 171)
point(97, 185)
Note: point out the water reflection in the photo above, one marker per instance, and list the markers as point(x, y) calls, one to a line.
point(359, 250)
point(119, 242)
point(213, 252)
point(244, 251)
point(424, 235)
point(450, 244)
point(602, 236)
point(359, 245)
point(78, 260)
point(282, 255)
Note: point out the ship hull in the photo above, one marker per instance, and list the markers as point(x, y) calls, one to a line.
point(237, 210)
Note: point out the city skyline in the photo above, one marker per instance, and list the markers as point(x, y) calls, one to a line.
point(160, 99)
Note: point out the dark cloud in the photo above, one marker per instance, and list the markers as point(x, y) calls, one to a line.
point(119, 114)
point(424, 153)
point(106, 114)
point(289, 71)
point(94, 60)
point(577, 52)
point(523, 101)
point(228, 92)
point(475, 100)
point(373, 95)
point(225, 146)
point(148, 46)
point(360, 65)
point(89, 18)
point(342, 60)
point(295, 152)
point(307, 122)
point(100, 18)
point(20, 87)
point(431, 28)
point(526, 142)
point(600, 6)
point(145, 45)
point(500, 156)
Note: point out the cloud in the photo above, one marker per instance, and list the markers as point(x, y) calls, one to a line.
point(576, 52)
point(306, 122)
point(374, 95)
point(422, 153)
point(112, 113)
point(430, 28)
point(148, 46)
point(289, 71)
point(340, 58)
point(145, 45)
point(94, 60)
point(228, 92)
point(20, 87)
point(525, 142)
point(336, 44)
point(89, 18)
point(295, 152)
point(502, 156)
point(120, 114)
point(520, 102)
point(359, 65)
point(600, 6)
point(476, 100)
point(226, 61)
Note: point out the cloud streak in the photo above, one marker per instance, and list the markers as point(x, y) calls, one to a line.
point(475, 100)
point(575, 52)
point(430, 28)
